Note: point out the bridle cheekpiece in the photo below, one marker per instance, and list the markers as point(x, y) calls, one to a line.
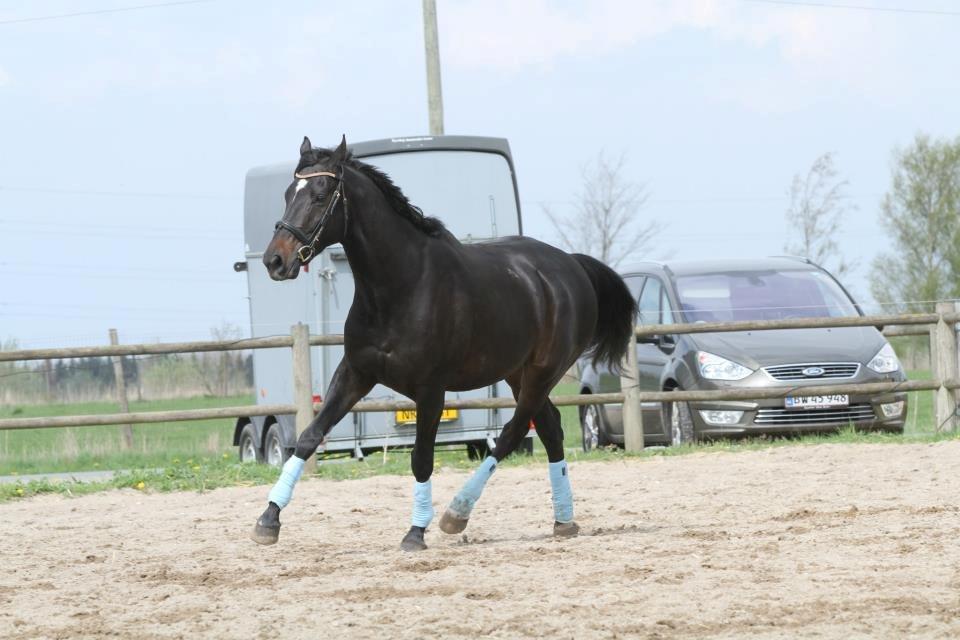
point(308, 239)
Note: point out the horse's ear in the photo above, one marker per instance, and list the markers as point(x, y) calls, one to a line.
point(305, 146)
point(341, 152)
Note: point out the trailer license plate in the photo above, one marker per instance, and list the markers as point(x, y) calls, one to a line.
point(410, 417)
point(817, 402)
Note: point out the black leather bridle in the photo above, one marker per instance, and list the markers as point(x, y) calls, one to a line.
point(308, 239)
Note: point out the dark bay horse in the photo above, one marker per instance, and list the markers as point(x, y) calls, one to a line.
point(431, 314)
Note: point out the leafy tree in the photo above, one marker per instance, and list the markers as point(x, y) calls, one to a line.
point(818, 202)
point(922, 213)
point(606, 219)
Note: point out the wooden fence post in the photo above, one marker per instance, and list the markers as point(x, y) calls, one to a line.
point(943, 347)
point(121, 386)
point(632, 407)
point(303, 384)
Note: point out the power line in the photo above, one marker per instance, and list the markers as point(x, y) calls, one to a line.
point(96, 12)
point(857, 7)
point(120, 194)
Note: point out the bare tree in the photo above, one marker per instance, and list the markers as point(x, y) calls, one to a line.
point(818, 202)
point(215, 368)
point(605, 222)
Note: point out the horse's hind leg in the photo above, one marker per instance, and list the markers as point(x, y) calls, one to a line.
point(530, 397)
point(550, 432)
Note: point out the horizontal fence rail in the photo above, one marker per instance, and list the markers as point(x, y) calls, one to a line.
point(796, 323)
point(373, 406)
point(271, 342)
point(939, 326)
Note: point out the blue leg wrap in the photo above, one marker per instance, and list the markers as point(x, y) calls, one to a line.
point(422, 504)
point(462, 504)
point(283, 490)
point(562, 493)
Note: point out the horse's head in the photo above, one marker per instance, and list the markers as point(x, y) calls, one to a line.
point(309, 222)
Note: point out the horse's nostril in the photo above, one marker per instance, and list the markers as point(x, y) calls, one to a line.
point(275, 262)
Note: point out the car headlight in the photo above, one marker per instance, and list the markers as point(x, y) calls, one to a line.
point(885, 361)
point(714, 367)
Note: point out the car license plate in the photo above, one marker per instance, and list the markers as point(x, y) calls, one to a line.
point(817, 402)
point(410, 417)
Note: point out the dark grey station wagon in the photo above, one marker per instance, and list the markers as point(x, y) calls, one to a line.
point(761, 289)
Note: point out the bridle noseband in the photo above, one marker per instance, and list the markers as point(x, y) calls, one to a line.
point(308, 240)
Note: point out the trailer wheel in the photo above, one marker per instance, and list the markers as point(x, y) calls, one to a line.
point(477, 450)
point(249, 451)
point(274, 453)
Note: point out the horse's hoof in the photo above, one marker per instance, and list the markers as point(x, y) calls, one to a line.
point(450, 523)
point(565, 529)
point(265, 534)
point(267, 529)
point(413, 541)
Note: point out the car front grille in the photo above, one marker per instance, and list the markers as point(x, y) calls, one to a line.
point(832, 415)
point(831, 370)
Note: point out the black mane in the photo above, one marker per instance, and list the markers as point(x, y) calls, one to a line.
point(395, 197)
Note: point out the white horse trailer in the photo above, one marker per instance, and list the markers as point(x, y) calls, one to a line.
point(470, 184)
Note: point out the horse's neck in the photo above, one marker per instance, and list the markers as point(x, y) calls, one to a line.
point(385, 251)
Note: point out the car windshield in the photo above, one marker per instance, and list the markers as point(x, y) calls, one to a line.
point(761, 295)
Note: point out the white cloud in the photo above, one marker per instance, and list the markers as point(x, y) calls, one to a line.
point(802, 45)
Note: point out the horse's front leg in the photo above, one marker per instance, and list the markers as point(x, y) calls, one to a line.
point(346, 388)
point(429, 410)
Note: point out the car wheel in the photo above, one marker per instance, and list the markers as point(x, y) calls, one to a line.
point(591, 428)
point(273, 452)
point(680, 421)
point(249, 451)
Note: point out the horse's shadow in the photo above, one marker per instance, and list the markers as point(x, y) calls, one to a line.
point(620, 530)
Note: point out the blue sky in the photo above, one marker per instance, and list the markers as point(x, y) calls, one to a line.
point(125, 136)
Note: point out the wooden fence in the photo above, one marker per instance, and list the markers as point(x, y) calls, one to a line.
point(939, 326)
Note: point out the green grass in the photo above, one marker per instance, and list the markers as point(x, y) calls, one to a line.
point(919, 407)
point(200, 455)
point(202, 474)
point(91, 448)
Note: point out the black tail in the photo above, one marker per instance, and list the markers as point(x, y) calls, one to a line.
point(616, 310)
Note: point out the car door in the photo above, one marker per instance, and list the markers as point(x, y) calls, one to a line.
point(653, 356)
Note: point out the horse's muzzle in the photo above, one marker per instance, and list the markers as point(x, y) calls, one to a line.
point(277, 267)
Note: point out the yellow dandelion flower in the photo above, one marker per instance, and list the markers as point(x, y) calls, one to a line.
point(141, 485)
point(226, 455)
point(196, 467)
point(19, 491)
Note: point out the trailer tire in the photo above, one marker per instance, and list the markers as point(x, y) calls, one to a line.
point(274, 453)
point(477, 450)
point(248, 447)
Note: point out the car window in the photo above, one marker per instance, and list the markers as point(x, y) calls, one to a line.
point(762, 295)
point(666, 313)
point(650, 302)
point(634, 283)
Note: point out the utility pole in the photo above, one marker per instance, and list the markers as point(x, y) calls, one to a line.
point(432, 46)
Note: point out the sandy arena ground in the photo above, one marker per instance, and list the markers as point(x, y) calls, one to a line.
point(833, 541)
